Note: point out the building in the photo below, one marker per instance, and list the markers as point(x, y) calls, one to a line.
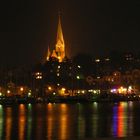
point(59, 51)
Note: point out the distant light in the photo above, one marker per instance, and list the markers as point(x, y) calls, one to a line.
point(78, 91)
point(63, 89)
point(59, 57)
point(98, 77)
point(58, 74)
point(83, 91)
point(58, 84)
point(97, 60)
point(115, 74)
point(49, 88)
point(39, 77)
point(130, 87)
point(79, 66)
point(54, 93)
point(59, 67)
point(78, 77)
point(107, 59)
point(0, 94)
point(8, 91)
point(29, 104)
point(113, 90)
point(38, 73)
point(29, 94)
point(21, 89)
point(0, 107)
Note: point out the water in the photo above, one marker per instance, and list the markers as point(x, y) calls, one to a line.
point(69, 121)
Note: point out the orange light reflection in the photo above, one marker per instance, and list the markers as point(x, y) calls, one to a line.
point(49, 121)
point(8, 123)
point(63, 121)
point(22, 121)
point(122, 120)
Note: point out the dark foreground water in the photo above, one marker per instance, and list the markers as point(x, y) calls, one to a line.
point(69, 121)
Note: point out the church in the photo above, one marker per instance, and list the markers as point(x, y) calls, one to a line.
point(59, 51)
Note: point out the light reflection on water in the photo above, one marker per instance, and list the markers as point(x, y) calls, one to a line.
point(68, 121)
point(8, 123)
point(1, 121)
point(21, 121)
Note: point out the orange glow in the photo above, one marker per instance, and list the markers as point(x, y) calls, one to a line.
point(49, 88)
point(49, 106)
point(121, 120)
point(63, 89)
point(22, 121)
point(8, 91)
point(122, 90)
point(49, 121)
point(8, 123)
point(63, 122)
point(21, 89)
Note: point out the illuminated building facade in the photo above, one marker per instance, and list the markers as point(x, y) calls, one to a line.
point(59, 51)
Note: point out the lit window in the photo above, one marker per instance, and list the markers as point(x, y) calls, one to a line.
point(97, 60)
point(78, 77)
point(79, 66)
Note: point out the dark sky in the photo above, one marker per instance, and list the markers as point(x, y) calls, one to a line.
point(27, 27)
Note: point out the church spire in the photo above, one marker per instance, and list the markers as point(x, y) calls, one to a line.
point(60, 44)
point(48, 54)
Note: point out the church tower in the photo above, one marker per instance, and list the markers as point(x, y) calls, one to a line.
point(59, 51)
point(60, 44)
point(48, 54)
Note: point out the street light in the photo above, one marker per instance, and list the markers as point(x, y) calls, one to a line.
point(78, 77)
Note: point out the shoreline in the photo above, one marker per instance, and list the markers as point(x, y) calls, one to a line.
point(13, 100)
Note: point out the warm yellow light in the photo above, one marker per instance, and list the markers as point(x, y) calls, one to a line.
point(78, 77)
point(49, 88)
point(0, 94)
point(130, 87)
point(97, 60)
point(39, 77)
point(83, 91)
point(8, 91)
point(79, 66)
point(107, 59)
point(63, 89)
point(21, 89)
point(122, 90)
point(29, 94)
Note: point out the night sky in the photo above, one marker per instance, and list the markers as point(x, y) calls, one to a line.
point(27, 27)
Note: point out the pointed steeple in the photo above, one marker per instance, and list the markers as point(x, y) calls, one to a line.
point(48, 54)
point(60, 44)
point(54, 54)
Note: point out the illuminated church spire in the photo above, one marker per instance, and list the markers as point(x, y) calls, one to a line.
point(60, 44)
point(48, 54)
